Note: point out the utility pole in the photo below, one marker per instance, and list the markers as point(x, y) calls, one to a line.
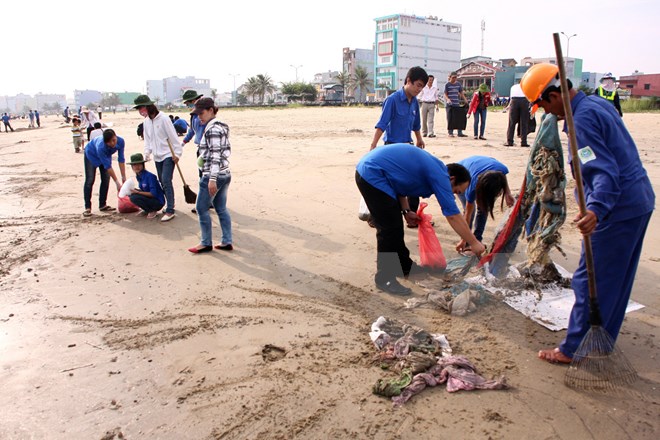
point(296, 67)
point(483, 30)
point(233, 95)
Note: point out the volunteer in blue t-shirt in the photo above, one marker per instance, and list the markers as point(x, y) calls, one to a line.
point(386, 176)
point(98, 154)
point(487, 182)
point(149, 195)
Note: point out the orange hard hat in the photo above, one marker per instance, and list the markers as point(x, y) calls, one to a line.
point(537, 79)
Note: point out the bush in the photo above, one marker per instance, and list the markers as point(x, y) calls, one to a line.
point(636, 105)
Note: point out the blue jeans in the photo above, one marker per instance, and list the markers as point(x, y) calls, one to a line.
point(219, 203)
point(482, 218)
point(90, 176)
point(480, 114)
point(165, 170)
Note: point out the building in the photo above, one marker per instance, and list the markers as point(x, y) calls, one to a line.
point(127, 99)
point(46, 101)
point(481, 59)
point(364, 58)
point(573, 67)
point(639, 84)
point(170, 90)
point(475, 73)
point(591, 80)
point(321, 82)
point(86, 97)
point(404, 41)
point(506, 77)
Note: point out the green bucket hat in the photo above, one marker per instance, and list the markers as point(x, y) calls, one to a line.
point(136, 159)
point(190, 95)
point(483, 88)
point(142, 101)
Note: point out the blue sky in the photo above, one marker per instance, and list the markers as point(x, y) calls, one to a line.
point(54, 47)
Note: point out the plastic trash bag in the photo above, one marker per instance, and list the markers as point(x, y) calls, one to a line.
point(127, 188)
point(430, 250)
point(363, 212)
point(125, 206)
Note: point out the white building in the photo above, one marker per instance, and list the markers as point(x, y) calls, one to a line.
point(172, 88)
point(404, 41)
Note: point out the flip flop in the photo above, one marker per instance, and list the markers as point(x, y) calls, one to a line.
point(106, 208)
point(87, 213)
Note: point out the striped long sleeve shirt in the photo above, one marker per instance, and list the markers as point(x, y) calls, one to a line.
point(215, 148)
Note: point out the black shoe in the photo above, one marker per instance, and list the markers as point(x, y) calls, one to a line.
point(524, 145)
point(508, 144)
point(423, 135)
point(394, 288)
point(431, 135)
point(194, 211)
point(482, 138)
point(461, 135)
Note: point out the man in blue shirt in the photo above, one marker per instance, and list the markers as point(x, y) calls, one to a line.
point(180, 126)
point(619, 199)
point(385, 177)
point(5, 120)
point(98, 154)
point(400, 113)
point(149, 195)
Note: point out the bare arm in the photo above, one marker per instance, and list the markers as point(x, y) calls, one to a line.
point(460, 226)
point(420, 142)
point(122, 170)
point(376, 138)
point(508, 197)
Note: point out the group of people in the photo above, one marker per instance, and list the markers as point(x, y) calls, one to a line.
point(619, 195)
point(155, 192)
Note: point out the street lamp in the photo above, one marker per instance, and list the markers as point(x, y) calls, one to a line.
point(233, 97)
point(568, 41)
point(296, 67)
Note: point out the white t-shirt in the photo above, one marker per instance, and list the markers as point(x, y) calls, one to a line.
point(429, 94)
point(95, 133)
point(516, 91)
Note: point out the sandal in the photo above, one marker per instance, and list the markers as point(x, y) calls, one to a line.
point(152, 215)
point(106, 208)
point(87, 213)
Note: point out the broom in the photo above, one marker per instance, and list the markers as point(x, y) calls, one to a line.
point(188, 193)
point(597, 363)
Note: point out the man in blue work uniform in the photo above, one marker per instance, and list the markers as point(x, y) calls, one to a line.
point(385, 177)
point(619, 198)
point(400, 116)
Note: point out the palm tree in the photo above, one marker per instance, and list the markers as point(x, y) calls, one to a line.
point(214, 94)
point(251, 87)
point(361, 79)
point(344, 79)
point(264, 86)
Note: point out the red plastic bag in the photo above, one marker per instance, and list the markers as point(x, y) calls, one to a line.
point(430, 250)
point(125, 206)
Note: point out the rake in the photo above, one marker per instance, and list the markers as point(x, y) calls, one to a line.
point(597, 365)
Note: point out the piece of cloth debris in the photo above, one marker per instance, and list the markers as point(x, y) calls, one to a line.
point(459, 374)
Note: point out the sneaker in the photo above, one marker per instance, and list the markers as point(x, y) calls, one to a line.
point(167, 217)
point(394, 288)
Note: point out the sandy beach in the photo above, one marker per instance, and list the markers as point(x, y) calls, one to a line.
point(110, 329)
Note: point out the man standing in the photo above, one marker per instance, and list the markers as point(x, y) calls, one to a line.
point(88, 118)
point(453, 97)
point(99, 110)
point(607, 90)
point(619, 199)
point(518, 114)
point(98, 154)
point(36, 117)
point(400, 116)
point(429, 98)
point(5, 120)
point(67, 119)
point(31, 116)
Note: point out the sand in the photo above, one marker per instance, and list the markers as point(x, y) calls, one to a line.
point(109, 328)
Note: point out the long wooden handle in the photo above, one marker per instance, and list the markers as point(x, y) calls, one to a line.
point(577, 173)
point(177, 163)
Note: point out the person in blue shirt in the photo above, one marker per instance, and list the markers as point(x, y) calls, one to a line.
point(98, 154)
point(196, 128)
point(149, 195)
point(180, 126)
point(401, 116)
point(619, 204)
point(385, 177)
point(5, 120)
point(400, 113)
point(487, 182)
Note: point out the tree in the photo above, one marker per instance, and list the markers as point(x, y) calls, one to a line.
point(214, 94)
point(111, 100)
point(251, 88)
point(586, 89)
point(299, 90)
point(344, 79)
point(264, 85)
point(361, 80)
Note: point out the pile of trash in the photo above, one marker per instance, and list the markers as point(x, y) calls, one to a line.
point(421, 360)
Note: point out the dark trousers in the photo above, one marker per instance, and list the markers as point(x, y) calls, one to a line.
point(90, 176)
point(518, 114)
point(8, 126)
point(89, 130)
point(413, 202)
point(481, 219)
point(148, 204)
point(393, 259)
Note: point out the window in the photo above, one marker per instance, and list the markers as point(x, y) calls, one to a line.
point(453, 29)
point(385, 36)
point(385, 60)
point(385, 48)
point(647, 86)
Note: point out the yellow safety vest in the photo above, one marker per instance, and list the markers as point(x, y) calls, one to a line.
point(605, 94)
